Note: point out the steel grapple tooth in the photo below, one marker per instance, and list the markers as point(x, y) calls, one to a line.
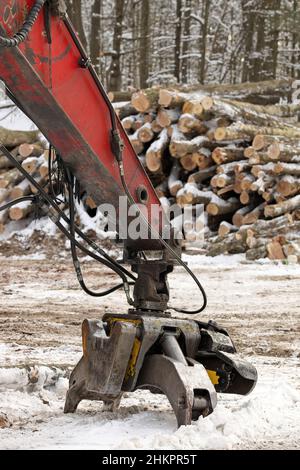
point(187, 387)
point(100, 372)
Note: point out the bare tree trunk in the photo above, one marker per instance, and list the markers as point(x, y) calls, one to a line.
point(186, 40)
point(115, 76)
point(203, 44)
point(178, 34)
point(145, 43)
point(75, 13)
point(95, 40)
point(248, 32)
point(269, 59)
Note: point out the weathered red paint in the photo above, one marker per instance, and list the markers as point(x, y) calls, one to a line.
point(64, 102)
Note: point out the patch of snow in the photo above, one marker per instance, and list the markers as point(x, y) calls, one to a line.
point(44, 224)
point(146, 421)
point(15, 119)
point(33, 257)
point(220, 260)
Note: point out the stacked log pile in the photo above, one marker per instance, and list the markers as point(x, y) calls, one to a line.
point(240, 159)
point(27, 148)
point(235, 149)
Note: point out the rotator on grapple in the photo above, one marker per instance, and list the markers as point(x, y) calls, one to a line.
point(48, 74)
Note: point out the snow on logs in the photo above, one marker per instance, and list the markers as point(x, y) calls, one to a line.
point(29, 151)
point(232, 148)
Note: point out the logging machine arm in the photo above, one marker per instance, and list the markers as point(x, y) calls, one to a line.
point(49, 76)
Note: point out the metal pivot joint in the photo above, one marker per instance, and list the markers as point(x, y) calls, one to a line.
point(185, 360)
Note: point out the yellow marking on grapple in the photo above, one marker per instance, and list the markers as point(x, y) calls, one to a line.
point(128, 320)
point(85, 332)
point(136, 345)
point(214, 378)
point(133, 359)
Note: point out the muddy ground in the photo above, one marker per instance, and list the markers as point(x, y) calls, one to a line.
point(42, 308)
point(42, 304)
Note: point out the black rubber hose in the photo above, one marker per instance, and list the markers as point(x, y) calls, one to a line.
point(113, 266)
point(75, 259)
point(21, 35)
point(169, 248)
point(118, 156)
point(16, 201)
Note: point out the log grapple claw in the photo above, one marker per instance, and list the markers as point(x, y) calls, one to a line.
point(188, 361)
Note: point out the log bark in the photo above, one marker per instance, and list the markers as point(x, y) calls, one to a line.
point(240, 131)
point(119, 96)
point(155, 152)
point(238, 218)
point(223, 180)
point(10, 177)
point(188, 124)
point(262, 182)
point(246, 182)
point(193, 107)
point(254, 215)
point(171, 98)
point(3, 195)
point(10, 138)
point(44, 170)
point(249, 152)
point(228, 154)
point(5, 163)
point(288, 186)
point(219, 206)
point(226, 189)
point(232, 133)
point(188, 163)
point(162, 189)
point(245, 197)
point(283, 207)
point(203, 158)
point(267, 228)
point(287, 169)
point(156, 127)
point(226, 228)
point(202, 175)
point(275, 251)
point(22, 189)
point(263, 157)
point(31, 164)
point(136, 143)
point(174, 182)
point(190, 194)
point(233, 167)
point(166, 117)
point(280, 111)
point(145, 133)
point(228, 245)
point(277, 150)
point(181, 147)
point(31, 150)
point(3, 220)
point(256, 253)
point(40, 180)
point(124, 110)
point(237, 111)
point(261, 141)
point(145, 100)
point(20, 211)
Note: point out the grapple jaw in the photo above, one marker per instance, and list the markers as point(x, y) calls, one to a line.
point(185, 360)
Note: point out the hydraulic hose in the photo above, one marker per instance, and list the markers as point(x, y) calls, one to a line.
point(22, 34)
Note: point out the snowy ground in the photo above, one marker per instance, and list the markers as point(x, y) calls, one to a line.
point(40, 315)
